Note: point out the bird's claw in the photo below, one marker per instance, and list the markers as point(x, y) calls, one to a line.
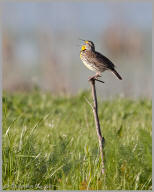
point(95, 77)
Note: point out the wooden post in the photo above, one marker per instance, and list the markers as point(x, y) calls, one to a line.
point(98, 129)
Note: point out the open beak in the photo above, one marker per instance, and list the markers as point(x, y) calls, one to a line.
point(82, 40)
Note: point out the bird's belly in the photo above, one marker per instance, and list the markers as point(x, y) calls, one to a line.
point(89, 66)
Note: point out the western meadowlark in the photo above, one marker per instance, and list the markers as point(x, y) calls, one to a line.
point(96, 61)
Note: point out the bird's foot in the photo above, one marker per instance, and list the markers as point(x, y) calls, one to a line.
point(95, 77)
point(91, 78)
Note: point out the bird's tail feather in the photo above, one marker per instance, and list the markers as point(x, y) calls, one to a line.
point(117, 74)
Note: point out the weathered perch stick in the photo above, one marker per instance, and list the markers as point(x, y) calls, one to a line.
point(98, 129)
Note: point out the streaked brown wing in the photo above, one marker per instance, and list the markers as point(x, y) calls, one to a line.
point(104, 60)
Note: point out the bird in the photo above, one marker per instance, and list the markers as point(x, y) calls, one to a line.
point(95, 61)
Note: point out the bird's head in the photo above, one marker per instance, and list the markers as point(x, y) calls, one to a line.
point(88, 45)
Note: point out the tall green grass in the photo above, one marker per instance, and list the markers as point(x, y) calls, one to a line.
point(50, 142)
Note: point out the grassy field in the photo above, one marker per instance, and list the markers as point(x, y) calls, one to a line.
point(50, 142)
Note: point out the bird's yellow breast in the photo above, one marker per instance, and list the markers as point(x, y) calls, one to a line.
point(81, 55)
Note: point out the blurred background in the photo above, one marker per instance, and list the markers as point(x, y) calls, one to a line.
point(41, 46)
